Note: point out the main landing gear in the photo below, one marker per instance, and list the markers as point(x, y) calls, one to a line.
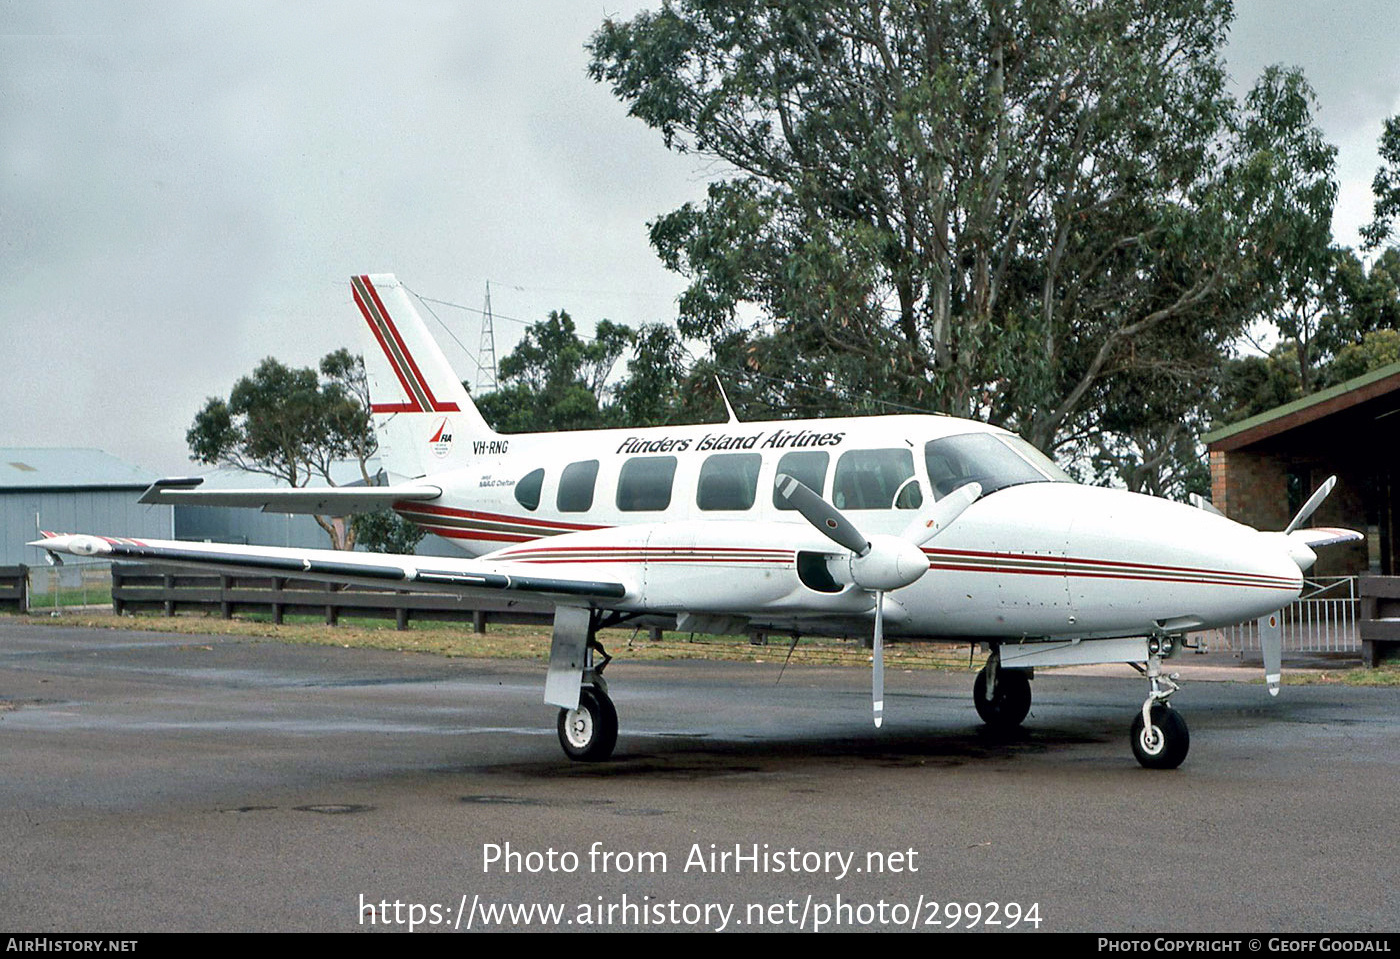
point(589, 732)
point(587, 721)
point(1002, 696)
point(1159, 736)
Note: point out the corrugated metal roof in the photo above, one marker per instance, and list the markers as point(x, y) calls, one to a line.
point(39, 468)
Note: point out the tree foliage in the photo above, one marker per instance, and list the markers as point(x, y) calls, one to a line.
point(558, 379)
point(384, 531)
point(1386, 187)
point(554, 379)
point(292, 424)
point(1351, 329)
point(1002, 209)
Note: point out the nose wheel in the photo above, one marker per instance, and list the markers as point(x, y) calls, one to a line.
point(1162, 743)
point(1159, 736)
point(589, 733)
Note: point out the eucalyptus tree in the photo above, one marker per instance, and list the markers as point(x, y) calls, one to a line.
point(981, 207)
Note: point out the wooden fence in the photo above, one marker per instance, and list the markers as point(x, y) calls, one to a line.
point(145, 588)
point(1380, 618)
point(14, 588)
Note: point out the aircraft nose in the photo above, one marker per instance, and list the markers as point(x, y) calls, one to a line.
point(1266, 574)
point(1185, 564)
point(1282, 564)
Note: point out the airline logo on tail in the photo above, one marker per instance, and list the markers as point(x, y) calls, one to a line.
point(441, 440)
point(415, 386)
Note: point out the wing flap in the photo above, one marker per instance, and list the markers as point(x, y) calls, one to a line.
point(440, 574)
point(334, 500)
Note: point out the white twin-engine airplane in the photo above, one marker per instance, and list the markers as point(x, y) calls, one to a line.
point(916, 527)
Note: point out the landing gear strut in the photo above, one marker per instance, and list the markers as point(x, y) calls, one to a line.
point(1159, 736)
point(1002, 696)
point(587, 722)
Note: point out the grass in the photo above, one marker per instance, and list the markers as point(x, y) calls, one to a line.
point(72, 596)
point(532, 642)
point(1387, 674)
point(520, 642)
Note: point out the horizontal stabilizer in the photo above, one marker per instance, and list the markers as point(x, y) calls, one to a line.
point(1325, 536)
point(332, 500)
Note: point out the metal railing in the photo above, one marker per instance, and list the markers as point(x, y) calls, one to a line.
point(1321, 620)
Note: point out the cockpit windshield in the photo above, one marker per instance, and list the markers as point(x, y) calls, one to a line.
point(995, 460)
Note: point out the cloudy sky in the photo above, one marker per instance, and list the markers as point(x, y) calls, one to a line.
point(185, 187)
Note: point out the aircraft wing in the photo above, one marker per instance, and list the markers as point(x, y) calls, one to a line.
point(468, 577)
point(333, 500)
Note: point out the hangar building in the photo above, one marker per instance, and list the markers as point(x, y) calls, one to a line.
point(71, 490)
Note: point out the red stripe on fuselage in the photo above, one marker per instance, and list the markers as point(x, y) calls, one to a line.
point(1144, 577)
point(1068, 560)
point(409, 506)
point(454, 533)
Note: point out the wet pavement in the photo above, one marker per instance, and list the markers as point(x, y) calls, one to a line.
point(152, 782)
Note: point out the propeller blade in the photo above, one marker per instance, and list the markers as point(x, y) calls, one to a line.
point(941, 515)
point(1271, 644)
point(1311, 505)
point(1200, 502)
point(822, 515)
point(877, 672)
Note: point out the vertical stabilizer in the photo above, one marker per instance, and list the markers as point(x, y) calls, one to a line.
point(423, 416)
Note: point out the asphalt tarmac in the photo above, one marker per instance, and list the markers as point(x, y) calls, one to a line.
point(151, 782)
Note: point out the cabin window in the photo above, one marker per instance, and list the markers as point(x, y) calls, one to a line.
point(807, 467)
point(728, 481)
point(527, 491)
point(910, 495)
point(993, 459)
point(871, 479)
point(576, 485)
point(645, 483)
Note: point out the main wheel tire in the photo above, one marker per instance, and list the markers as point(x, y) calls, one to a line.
point(1010, 702)
point(589, 733)
point(1164, 744)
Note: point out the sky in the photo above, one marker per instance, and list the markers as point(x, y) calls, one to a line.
point(186, 186)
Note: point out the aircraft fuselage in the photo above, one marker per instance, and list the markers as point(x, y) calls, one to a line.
point(689, 515)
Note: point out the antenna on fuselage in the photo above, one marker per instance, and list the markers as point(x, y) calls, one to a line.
point(725, 396)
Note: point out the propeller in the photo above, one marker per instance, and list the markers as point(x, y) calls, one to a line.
point(879, 563)
point(1269, 627)
point(1310, 507)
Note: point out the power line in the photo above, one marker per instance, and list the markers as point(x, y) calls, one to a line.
point(447, 329)
point(829, 391)
point(472, 309)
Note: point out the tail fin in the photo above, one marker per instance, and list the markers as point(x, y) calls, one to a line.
point(423, 416)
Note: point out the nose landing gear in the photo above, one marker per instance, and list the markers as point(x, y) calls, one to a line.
point(1159, 736)
point(1161, 741)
